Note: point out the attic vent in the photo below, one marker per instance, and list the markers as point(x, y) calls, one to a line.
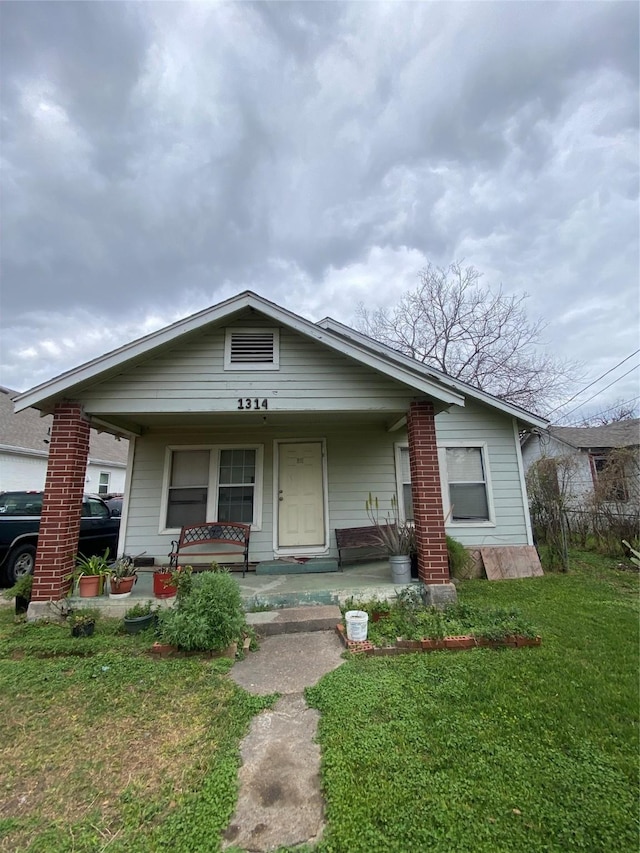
point(251, 349)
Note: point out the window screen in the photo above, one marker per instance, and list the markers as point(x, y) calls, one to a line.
point(467, 484)
point(188, 489)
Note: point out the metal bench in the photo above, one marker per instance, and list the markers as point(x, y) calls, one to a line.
point(233, 535)
point(351, 538)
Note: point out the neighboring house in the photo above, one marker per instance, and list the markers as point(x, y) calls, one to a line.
point(608, 455)
point(248, 412)
point(24, 452)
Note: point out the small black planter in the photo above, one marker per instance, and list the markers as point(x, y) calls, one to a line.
point(414, 568)
point(137, 624)
point(21, 604)
point(84, 629)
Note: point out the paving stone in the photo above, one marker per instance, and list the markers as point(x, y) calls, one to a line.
point(280, 802)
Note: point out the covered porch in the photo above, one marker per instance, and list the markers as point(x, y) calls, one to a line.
point(361, 580)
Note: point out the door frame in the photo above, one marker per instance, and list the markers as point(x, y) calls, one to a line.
point(298, 550)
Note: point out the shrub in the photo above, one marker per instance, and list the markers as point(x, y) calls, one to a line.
point(21, 588)
point(460, 560)
point(207, 617)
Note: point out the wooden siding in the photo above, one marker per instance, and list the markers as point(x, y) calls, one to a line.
point(191, 378)
point(477, 423)
point(360, 459)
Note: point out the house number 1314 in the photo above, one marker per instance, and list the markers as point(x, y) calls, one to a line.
point(252, 403)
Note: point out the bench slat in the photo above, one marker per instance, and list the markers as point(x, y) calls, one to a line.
point(235, 535)
point(357, 537)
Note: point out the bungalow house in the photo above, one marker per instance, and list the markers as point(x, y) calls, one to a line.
point(24, 452)
point(593, 458)
point(248, 412)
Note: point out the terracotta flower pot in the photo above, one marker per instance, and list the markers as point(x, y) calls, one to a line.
point(121, 586)
point(90, 586)
point(162, 587)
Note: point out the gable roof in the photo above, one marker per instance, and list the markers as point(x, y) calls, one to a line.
point(329, 333)
point(29, 431)
point(619, 434)
point(456, 384)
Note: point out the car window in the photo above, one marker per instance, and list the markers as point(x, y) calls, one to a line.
point(94, 509)
point(21, 503)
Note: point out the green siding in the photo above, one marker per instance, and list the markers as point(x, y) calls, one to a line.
point(191, 377)
point(360, 459)
point(480, 423)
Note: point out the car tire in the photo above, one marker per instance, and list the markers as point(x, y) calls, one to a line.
point(21, 562)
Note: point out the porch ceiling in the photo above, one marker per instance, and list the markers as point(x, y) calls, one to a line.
point(185, 420)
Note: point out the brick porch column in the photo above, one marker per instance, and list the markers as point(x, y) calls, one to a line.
point(433, 565)
point(62, 505)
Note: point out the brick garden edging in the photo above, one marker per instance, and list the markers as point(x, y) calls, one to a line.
point(462, 643)
point(164, 650)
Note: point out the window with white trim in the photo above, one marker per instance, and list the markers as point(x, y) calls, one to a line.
point(252, 349)
point(103, 482)
point(236, 485)
point(218, 483)
point(466, 481)
point(403, 473)
point(465, 484)
point(188, 488)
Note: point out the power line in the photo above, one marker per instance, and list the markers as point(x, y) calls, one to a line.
point(612, 408)
point(586, 388)
point(602, 390)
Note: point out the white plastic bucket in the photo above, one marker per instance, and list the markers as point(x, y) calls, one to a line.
point(357, 621)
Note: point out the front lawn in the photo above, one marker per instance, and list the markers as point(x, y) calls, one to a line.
point(511, 750)
point(105, 748)
point(518, 750)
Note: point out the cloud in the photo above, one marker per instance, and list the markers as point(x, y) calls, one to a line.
point(158, 158)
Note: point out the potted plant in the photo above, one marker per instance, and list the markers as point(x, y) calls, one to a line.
point(164, 582)
point(139, 618)
point(396, 537)
point(82, 623)
point(122, 577)
point(90, 573)
point(21, 591)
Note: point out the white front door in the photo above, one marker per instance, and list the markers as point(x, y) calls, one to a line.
point(300, 495)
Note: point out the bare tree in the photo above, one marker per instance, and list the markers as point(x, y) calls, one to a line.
point(485, 338)
point(621, 411)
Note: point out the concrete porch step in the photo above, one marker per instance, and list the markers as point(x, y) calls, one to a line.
point(283, 567)
point(295, 620)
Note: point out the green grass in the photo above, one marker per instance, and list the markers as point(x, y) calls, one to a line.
point(512, 750)
point(518, 750)
point(105, 747)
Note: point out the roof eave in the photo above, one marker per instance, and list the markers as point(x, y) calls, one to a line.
point(522, 416)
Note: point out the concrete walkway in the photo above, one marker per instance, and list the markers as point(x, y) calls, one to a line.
point(280, 801)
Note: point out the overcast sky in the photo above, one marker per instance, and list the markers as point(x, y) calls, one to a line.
point(160, 157)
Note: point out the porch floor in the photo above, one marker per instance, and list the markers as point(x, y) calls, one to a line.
point(360, 580)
